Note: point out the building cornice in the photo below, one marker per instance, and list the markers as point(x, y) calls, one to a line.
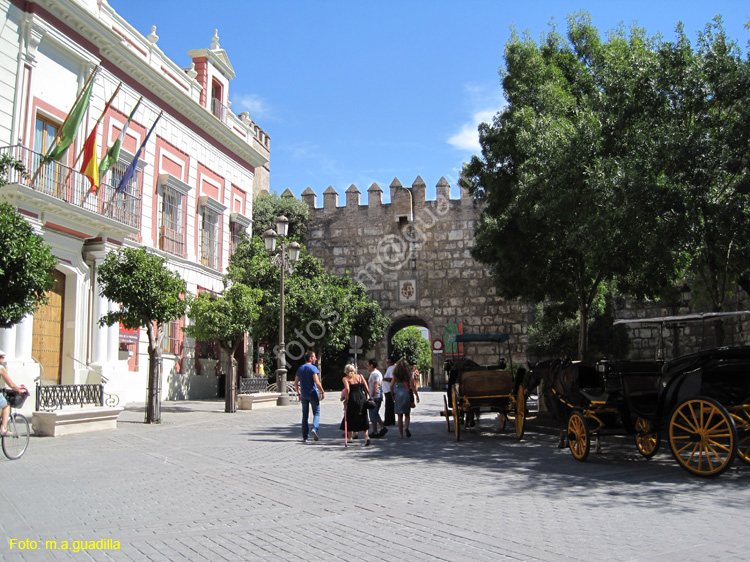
point(129, 51)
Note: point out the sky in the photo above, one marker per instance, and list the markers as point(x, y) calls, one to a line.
point(362, 92)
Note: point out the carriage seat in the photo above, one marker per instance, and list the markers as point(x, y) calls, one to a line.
point(595, 395)
point(485, 383)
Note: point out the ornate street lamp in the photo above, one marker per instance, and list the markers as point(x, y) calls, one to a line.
point(284, 260)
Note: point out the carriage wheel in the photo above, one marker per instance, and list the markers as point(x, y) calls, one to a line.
point(647, 438)
point(502, 417)
point(456, 416)
point(520, 412)
point(741, 419)
point(702, 436)
point(579, 438)
point(447, 413)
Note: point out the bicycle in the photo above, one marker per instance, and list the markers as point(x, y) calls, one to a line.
point(16, 441)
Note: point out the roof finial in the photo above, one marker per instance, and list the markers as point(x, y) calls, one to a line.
point(215, 40)
point(153, 37)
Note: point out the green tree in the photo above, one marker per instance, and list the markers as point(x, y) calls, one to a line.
point(266, 207)
point(26, 265)
point(703, 150)
point(149, 295)
point(226, 318)
point(572, 201)
point(409, 344)
point(322, 311)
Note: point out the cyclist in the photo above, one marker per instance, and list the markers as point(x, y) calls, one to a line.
point(3, 402)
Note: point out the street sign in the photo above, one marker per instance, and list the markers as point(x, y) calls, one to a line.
point(356, 345)
point(437, 346)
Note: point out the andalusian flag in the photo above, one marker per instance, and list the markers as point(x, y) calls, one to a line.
point(131, 169)
point(90, 166)
point(67, 133)
point(113, 154)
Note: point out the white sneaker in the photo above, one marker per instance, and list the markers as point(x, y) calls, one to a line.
point(314, 434)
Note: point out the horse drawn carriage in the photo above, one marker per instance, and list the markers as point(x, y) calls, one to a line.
point(699, 403)
point(473, 389)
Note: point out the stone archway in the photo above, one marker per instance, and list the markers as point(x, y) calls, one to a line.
point(404, 322)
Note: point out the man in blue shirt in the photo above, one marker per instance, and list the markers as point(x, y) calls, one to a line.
point(310, 391)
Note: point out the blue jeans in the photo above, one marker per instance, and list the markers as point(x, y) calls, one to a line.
point(307, 402)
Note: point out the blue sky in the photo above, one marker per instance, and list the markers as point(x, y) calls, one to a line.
point(356, 92)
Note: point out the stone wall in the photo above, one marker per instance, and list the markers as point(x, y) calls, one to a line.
point(413, 256)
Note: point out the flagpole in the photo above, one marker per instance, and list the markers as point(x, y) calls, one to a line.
point(60, 130)
point(106, 107)
point(137, 155)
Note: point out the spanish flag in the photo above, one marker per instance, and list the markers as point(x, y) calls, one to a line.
point(90, 166)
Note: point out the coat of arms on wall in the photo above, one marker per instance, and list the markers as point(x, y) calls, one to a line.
point(407, 291)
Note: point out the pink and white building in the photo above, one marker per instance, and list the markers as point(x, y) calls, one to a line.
point(189, 199)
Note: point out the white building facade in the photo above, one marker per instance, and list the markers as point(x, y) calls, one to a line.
point(189, 199)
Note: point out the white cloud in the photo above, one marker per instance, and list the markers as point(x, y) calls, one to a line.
point(467, 137)
point(253, 104)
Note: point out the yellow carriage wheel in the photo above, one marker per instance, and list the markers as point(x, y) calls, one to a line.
point(647, 438)
point(741, 417)
point(520, 412)
point(702, 436)
point(579, 437)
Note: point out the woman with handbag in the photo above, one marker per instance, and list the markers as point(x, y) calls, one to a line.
point(403, 388)
point(355, 395)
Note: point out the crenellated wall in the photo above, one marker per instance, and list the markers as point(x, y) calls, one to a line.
point(413, 256)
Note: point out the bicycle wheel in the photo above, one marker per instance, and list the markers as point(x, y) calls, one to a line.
point(15, 444)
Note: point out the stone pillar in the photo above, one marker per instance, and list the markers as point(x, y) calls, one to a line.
point(113, 337)
point(24, 338)
point(8, 340)
point(100, 306)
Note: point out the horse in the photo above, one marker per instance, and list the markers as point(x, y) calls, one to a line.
point(563, 380)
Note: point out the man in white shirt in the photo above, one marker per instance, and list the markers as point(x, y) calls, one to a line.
point(390, 416)
point(375, 383)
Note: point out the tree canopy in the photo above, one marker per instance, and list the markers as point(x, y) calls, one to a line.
point(149, 295)
point(26, 262)
point(409, 344)
point(226, 319)
point(575, 170)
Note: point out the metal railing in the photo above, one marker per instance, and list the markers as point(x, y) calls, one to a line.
point(54, 397)
point(253, 385)
point(219, 110)
point(69, 185)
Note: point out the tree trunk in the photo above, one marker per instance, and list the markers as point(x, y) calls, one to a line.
point(153, 399)
point(230, 383)
point(583, 332)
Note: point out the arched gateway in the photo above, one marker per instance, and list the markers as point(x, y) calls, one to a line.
point(413, 257)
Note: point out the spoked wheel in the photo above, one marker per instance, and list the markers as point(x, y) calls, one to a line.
point(447, 413)
point(647, 438)
point(579, 437)
point(702, 436)
point(456, 418)
point(15, 444)
point(502, 418)
point(741, 417)
point(520, 412)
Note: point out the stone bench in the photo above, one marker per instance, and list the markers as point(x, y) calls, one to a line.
point(67, 421)
point(257, 400)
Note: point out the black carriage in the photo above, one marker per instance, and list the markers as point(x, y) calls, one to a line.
point(473, 389)
point(699, 403)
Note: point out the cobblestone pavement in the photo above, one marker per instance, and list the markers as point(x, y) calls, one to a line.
point(205, 485)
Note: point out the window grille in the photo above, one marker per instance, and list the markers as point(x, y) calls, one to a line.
point(209, 238)
point(171, 237)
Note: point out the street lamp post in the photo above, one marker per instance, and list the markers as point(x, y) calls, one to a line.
point(285, 261)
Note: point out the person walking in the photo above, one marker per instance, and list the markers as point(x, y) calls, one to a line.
point(389, 416)
point(3, 402)
point(403, 387)
point(308, 387)
point(355, 393)
point(375, 386)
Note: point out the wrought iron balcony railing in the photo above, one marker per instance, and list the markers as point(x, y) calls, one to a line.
point(69, 185)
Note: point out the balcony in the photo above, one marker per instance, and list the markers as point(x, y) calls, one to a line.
point(58, 182)
point(219, 110)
